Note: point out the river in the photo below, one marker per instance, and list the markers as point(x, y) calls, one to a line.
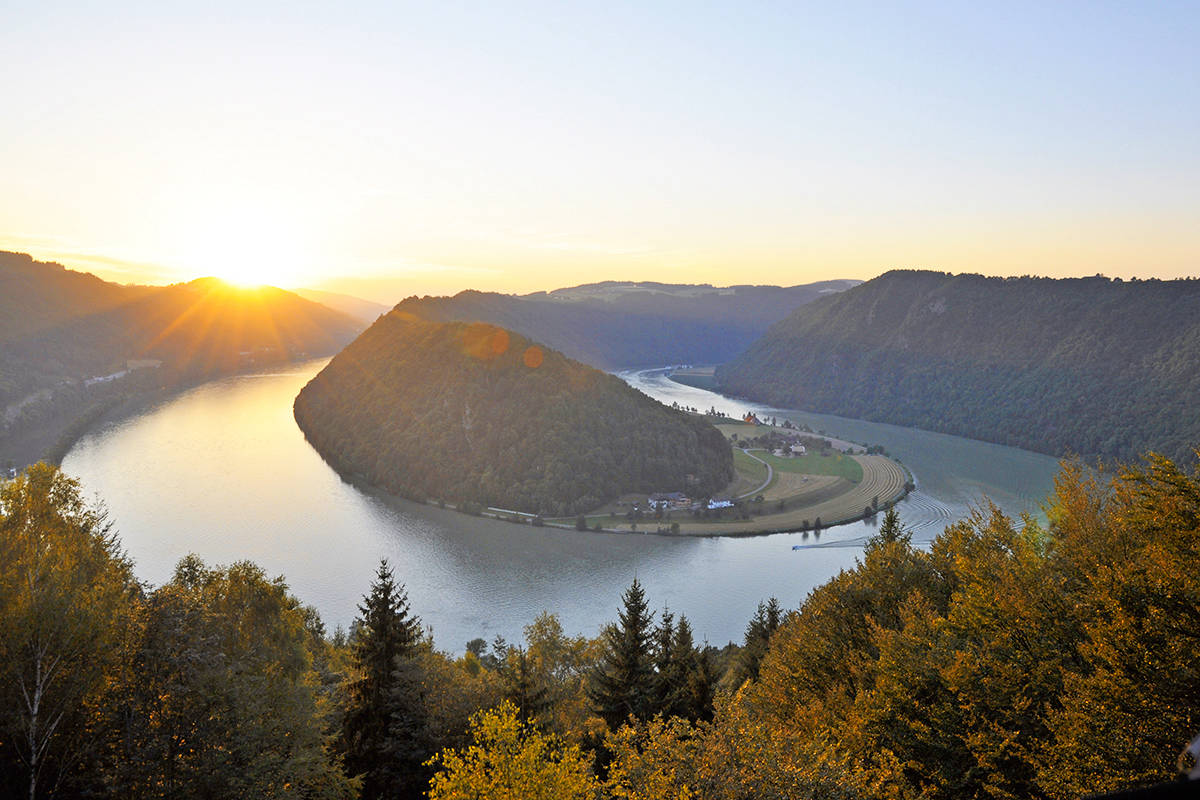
point(222, 471)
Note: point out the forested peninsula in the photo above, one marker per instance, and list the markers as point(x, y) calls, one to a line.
point(1091, 367)
point(478, 416)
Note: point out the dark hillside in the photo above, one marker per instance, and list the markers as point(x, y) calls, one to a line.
point(36, 295)
point(1090, 366)
point(474, 414)
point(57, 325)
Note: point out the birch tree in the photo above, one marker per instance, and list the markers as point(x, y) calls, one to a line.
point(65, 587)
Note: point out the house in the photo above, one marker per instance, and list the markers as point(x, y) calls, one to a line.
point(715, 504)
point(668, 500)
point(798, 450)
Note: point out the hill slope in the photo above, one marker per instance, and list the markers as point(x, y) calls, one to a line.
point(59, 325)
point(1087, 366)
point(620, 324)
point(471, 413)
point(364, 311)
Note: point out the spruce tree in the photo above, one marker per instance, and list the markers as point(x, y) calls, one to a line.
point(681, 677)
point(701, 685)
point(522, 686)
point(765, 622)
point(382, 716)
point(666, 680)
point(622, 684)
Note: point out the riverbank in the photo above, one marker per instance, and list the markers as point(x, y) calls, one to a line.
point(51, 434)
point(62, 424)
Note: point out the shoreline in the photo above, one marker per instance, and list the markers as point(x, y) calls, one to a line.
point(52, 440)
point(733, 529)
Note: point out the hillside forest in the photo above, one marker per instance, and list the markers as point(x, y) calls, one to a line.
point(1091, 367)
point(477, 416)
point(58, 324)
point(1008, 660)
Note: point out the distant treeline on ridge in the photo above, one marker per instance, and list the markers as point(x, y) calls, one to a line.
point(615, 324)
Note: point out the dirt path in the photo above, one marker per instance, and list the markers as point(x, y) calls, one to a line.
point(765, 484)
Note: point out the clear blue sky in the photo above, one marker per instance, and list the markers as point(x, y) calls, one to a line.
point(390, 148)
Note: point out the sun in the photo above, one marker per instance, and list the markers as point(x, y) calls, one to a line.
point(249, 249)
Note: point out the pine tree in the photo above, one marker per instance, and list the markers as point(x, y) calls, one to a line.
point(522, 686)
point(701, 686)
point(684, 677)
point(765, 622)
point(382, 715)
point(666, 680)
point(623, 683)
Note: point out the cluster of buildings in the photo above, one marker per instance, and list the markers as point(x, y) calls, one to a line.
point(678, 501)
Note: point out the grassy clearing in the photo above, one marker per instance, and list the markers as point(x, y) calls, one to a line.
point(839, 465)
point(744, 430)
point(754, 471)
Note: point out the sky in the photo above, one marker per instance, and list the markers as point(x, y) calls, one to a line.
point(385, 149)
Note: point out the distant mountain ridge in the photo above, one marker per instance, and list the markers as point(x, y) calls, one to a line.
point(362, 310)
point(1089, 366)
point(618, 324)
point(60, 325)
point(473, 414)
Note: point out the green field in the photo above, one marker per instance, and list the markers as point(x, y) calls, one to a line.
point(754, 471)
point(838, 465)
point(745, 430)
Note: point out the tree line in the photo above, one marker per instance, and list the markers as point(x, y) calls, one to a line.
point(1009, 659)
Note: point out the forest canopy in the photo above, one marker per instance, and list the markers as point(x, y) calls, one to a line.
point(473, 414)
point(1009, 659)
point(1083, 366)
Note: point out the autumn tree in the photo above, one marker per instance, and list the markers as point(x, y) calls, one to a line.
point(223, 699)
point(1130, 704)
point(563, 666)
point(66, 595)
point(512, 759)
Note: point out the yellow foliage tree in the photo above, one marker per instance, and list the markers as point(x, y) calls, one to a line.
point(512, 760)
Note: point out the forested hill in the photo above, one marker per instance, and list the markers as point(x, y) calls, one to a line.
point(622, 324)
point(1091, 366)
point(475, 414)
point(59, 325)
